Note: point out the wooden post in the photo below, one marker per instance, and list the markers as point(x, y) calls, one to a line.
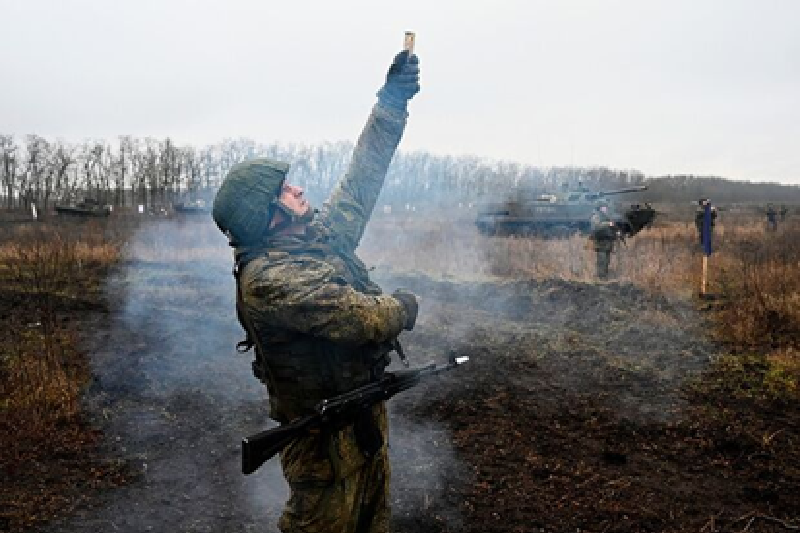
point(705, 276)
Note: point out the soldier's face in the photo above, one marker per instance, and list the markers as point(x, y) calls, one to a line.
point(293, 198)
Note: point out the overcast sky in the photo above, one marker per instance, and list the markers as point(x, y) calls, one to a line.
point(669, 86)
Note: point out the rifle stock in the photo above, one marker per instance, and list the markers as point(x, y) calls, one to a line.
point(263, 446)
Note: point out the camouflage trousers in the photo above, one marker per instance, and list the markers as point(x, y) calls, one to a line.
point(334, 488)
point(700, 236)
point(603, 261)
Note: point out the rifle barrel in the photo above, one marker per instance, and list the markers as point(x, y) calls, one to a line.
point(637, 188)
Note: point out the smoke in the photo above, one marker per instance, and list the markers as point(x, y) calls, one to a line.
point(176, 400)
point(182, 400)
point(174, 397)
point(625, 348)
point(424, 465)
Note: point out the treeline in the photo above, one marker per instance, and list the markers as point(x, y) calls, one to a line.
point(721, 191)
point(153, 172)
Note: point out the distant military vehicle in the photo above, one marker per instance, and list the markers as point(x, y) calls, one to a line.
point(191, 207)
point(88, 207)
point(559, 214)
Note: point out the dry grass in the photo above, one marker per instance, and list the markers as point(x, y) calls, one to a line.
point(662, 259)
point(48, 273)
point(45, 270)
point(784, 378)
point(754, 274)
point(760, 278)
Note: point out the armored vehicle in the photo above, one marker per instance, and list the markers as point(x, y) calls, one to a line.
point(88, 207)
point(560, 214)
point(192, 207)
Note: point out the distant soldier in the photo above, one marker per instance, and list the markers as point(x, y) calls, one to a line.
point(604, 234)
point(772, 218)
point(700, 214)
point(783, 213)
point(649, 208)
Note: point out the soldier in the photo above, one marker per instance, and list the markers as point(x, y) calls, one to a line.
point(783, 213)
point(700, 215)
point(319, 325)
point(649, 208)
point(772, 218)
point(604, 234)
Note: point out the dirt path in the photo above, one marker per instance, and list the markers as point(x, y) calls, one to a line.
point(565, 418)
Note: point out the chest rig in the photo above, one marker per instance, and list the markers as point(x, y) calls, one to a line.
point(301, 370)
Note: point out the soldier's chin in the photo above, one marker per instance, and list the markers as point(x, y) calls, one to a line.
point(308, 216)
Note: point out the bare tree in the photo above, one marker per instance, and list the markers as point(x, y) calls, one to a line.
point(38, 175)
point(62, 159)
point(127, 148)
point(8, 167)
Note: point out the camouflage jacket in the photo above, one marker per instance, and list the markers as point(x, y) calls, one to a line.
point(603, 235)
point(700, 214)
point(322, 327)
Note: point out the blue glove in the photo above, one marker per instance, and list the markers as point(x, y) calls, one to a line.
point(402, 82)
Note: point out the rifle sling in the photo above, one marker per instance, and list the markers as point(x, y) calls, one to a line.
point(260, 365)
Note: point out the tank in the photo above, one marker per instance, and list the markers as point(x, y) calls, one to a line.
point(562, 213)
point(192, 207)
point(88, 207)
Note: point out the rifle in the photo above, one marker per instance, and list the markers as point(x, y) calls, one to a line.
point(336, 413)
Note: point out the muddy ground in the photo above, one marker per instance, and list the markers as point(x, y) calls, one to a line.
point(575, 413)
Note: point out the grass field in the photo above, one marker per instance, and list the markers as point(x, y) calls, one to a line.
point(50, 273)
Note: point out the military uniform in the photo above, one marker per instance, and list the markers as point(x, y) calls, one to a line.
point(772, 218)
point(321, 327)
point(603, 236)
point(698, 221)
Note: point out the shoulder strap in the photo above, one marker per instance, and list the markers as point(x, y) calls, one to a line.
point(261, 368)
point(249, 341)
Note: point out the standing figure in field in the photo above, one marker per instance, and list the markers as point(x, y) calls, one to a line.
point(649, 208)
point(700, 215)
point(319, 325)
point(784, 211)
point(772, 218)
point(604, 235)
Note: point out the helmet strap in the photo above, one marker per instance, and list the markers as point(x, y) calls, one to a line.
point(290, 218)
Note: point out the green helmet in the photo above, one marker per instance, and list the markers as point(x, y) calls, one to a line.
point(244, 204)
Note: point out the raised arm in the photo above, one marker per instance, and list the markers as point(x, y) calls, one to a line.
point(351, 203)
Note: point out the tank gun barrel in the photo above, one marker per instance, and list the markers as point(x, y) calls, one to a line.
point(637, 188)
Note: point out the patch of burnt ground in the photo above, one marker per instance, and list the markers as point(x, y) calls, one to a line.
point(578, 411)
